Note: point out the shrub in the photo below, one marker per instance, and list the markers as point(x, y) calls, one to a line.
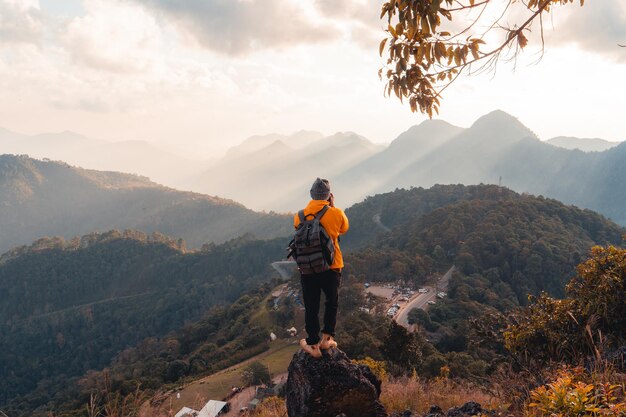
point(571, 329)
point(377, 367)
point(573, 395)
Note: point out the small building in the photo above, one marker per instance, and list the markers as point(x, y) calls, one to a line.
point(272, 336)
point(278, 388)
point(253, 404)
point(292, 332)
point(186, 412)
point(213, 409)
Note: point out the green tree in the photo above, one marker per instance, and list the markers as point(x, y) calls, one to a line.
point(256, 374)
point(422, 318)
point(402, 347)
point(593, 314)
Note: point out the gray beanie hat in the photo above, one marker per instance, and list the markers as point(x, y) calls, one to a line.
point(320, 190)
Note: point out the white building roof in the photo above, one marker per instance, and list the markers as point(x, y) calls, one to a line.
point(186, 411)
point(212, 409)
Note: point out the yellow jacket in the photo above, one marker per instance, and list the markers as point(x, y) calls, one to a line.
point(334, 222)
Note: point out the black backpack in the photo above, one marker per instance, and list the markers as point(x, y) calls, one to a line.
point(311, 247)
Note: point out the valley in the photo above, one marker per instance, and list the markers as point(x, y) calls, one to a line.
point(216, 311)
point(123, 250)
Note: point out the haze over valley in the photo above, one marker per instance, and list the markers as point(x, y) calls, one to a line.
point(273, 173)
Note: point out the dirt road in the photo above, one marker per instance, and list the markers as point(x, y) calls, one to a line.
point(242, 399)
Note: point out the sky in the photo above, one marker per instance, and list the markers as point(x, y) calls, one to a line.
point(199, 76)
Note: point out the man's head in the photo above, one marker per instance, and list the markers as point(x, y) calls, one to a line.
point(320, 190)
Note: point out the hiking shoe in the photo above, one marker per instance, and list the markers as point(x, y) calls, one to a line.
point(327, 342)
point(313, 350)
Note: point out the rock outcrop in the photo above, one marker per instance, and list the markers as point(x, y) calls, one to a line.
point(331, 386)
point(466, 410)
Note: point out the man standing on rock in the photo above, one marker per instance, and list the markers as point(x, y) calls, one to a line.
point(318, 227)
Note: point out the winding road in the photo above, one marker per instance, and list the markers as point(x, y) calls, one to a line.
point(285, 268)
point(421, 300)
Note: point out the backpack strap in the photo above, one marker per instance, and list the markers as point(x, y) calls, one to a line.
point(318, 216)
point(321, 213)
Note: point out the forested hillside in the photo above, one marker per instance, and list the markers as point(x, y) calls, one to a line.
point(68, 307)
point(530, 243)
point(396, 208)
point(110, 300)
point(505, 246)
point(43, 198)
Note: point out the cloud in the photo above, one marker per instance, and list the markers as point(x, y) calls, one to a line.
point(366, 11)
point(597, 27)
point(92, 105)
point(20, 21)
point(113, 36)
point(239, 27)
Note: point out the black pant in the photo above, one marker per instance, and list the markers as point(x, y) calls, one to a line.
point(312, 285)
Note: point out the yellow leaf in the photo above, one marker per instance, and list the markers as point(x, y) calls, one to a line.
point(392, 31)
point(425, 27)
point(399, 29)
point(381, 48)
point(474, 51)
point(522, 40)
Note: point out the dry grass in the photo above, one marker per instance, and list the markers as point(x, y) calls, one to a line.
point(216, 386)
point(407, 393)
point(402, 394)
point(270, 407)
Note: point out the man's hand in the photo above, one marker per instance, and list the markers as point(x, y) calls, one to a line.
point(331, 200)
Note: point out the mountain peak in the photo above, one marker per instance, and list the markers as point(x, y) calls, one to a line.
point(427, 135)
point(496, 116)
point(431, 123)
point(277, 146)
point(502, 125)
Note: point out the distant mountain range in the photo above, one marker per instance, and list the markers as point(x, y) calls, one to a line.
point(277, 171)
point(585, 145)
point(269, 172)
point(274, 172)
point(43, 198)
point(131, 156)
